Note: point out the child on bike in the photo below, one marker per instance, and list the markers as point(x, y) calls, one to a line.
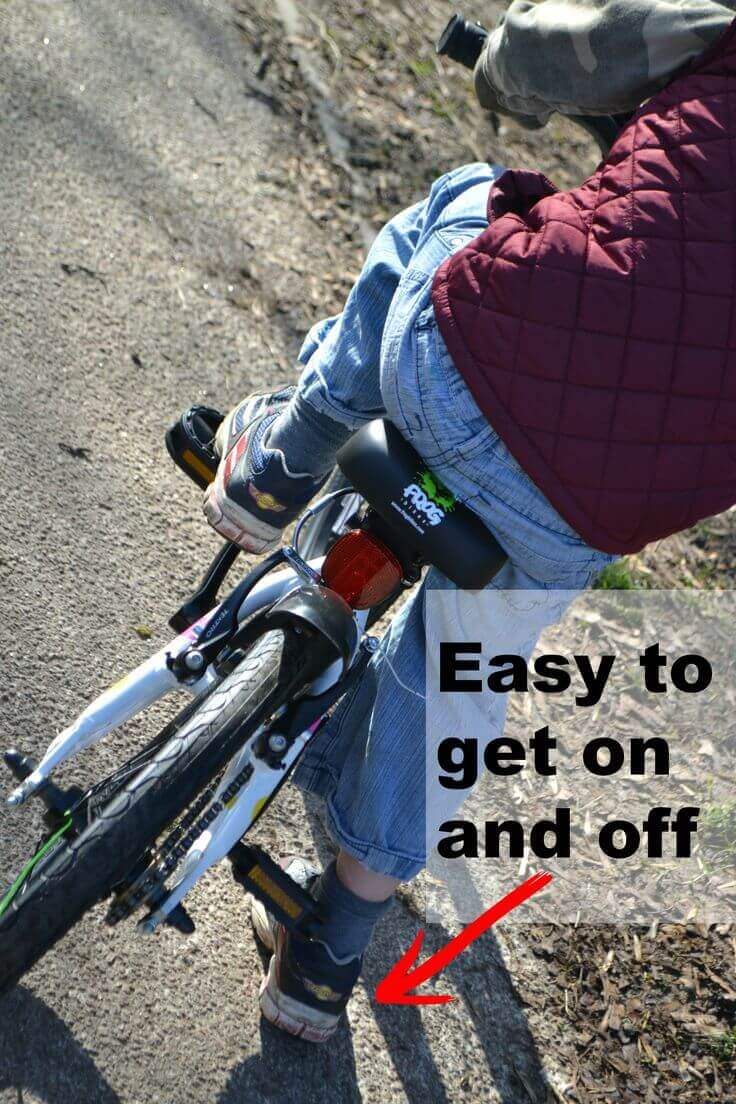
point(563, 362)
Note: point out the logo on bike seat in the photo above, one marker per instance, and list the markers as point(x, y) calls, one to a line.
point(437, 491)
point(429, 498)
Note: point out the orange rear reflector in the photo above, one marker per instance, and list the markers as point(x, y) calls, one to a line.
point(361, 569)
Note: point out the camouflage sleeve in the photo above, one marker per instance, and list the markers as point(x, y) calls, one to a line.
point(591, 57)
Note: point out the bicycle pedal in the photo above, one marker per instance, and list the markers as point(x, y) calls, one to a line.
point(180, 919)
point(257, 872)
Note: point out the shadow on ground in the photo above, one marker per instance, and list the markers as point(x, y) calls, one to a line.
point(488, 1001)
point(66, 1075)
point(499, 1048)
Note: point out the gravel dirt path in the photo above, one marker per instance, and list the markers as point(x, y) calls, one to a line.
point(136, 195)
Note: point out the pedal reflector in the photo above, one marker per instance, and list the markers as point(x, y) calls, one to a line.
point(283, 897)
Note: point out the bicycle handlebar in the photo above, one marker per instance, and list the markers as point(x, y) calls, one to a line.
point(463, 41)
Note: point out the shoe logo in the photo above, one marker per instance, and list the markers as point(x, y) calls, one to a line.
point(321, 992)
point(264, 500)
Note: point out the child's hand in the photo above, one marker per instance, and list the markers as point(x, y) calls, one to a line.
point(254, 495)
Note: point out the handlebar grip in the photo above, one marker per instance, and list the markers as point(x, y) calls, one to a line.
point(462, 41)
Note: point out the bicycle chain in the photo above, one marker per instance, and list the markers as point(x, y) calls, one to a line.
point(175, 846)
point(180, 849)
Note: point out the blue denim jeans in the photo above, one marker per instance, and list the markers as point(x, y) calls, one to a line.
point(384, 357)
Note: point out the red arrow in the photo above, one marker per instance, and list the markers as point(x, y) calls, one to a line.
point(394, 989)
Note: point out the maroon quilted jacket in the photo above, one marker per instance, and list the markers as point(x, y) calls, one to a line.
point(595, 328)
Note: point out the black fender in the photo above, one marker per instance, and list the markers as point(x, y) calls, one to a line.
point(323, 610)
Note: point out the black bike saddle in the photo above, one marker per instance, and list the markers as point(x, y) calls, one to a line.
point(397, 483)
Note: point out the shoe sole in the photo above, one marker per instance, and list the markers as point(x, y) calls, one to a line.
point(236, 524)
point(284, 1012)
point(259, 918)
point(290, 1015)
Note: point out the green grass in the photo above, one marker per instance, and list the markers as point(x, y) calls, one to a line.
point(439, 105)
point(718, 827)
point(422, 67)
point(724, 1046)
point(616, 576)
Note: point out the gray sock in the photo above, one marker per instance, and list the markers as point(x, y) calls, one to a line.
point(348, 920)
point(308, 439)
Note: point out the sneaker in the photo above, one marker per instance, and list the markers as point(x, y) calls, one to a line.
point(254, 495)
point(306, 988)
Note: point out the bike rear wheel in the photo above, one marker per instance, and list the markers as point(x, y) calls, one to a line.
point(74, 876)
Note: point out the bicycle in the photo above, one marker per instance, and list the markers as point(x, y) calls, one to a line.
point(264, 667)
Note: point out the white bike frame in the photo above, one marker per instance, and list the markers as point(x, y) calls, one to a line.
point(150, 682)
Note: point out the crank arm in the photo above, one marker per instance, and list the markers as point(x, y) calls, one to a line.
point(270, 753)
point(228, 826)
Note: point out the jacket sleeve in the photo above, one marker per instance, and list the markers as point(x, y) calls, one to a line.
point(592, 57)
